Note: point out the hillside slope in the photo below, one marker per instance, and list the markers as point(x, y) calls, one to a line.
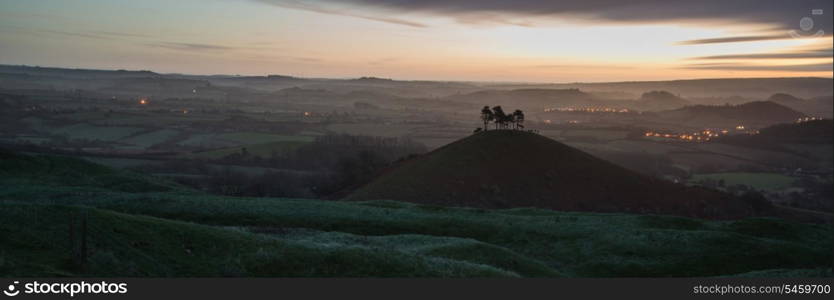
point(177, 232)
point(756, 114)
point(503, 169)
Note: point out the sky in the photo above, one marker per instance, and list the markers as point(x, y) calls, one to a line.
point(462, 40)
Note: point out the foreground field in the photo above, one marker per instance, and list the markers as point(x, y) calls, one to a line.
point(758, 181)
point(143, 226)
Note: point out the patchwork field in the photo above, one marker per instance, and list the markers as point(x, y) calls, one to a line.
point(264, 150)
point(100, 133)
point(146, 140)
point(760, 181)
point(239, 138)
point(145, 226)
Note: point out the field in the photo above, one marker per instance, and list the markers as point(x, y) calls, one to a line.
point(386, 130)
point(90, 132)
point(602, 134)
point(239, 138)
point(146, 140)
point(760, 181)
point(264, 150)
point(146, 226)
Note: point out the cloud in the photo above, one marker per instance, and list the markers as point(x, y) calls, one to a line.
point(819, 67)
point(308, 6)
point(189, 46)
point(383, 61)
point(817, 53)
point(581, 66)
point(98, 35)
point(307, 59)
point(119, 34)
point(79, 34)
point(780, 13)
point(734, 39)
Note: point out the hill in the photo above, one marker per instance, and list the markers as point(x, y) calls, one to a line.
point(533, 99)
point(818, 106)
point(806, 87)
point(179, 232)
point(660, 100)
point(810, 132)
point(784, 99)
point(503, 169)
point(756, 114)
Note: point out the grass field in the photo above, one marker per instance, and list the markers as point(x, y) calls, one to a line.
point(261, 150)
point(239, 139)
point(90, 132)
point(146, 140)
point(602, 134)
point(760, 181)
point(387, 130)
point(249, 138)
point(143, 226)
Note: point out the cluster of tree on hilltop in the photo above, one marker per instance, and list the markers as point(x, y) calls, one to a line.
point(501, 119)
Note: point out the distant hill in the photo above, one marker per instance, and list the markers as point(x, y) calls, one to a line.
point(503, 169)
point(755, 114)
point(26, 77)
point(529, 98)
point(805, 87)
point(399, 88)
point(660, 100)
point(811, 132)
point(74, 73)
point(818, 106)
point(784, 99)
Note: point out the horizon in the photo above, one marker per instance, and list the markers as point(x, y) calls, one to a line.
point(468, 41)
point(410, 80)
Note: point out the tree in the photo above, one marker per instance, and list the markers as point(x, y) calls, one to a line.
point(499, 116)
point(487, 116)
point(510, 121)
point(519, 118)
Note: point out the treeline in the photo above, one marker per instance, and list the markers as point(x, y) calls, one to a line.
point(325, 152)
point(810, 132)
point(327, 165)
point(501, 119)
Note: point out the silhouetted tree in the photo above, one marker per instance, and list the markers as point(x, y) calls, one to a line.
point(519, 118)
point(500, 118)
point(487, 116)
point(510, 121)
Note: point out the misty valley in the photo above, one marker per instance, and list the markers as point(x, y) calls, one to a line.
point(171, 175)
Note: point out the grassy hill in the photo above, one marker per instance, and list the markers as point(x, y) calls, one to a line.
point(504, 168)
point(756, 114)
point(661, 100)
point(716, 87)
point(777, 136)
point(171, 231)
point(818, 106)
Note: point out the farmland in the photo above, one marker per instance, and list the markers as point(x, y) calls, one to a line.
point(141, 226)
point(760, 181)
